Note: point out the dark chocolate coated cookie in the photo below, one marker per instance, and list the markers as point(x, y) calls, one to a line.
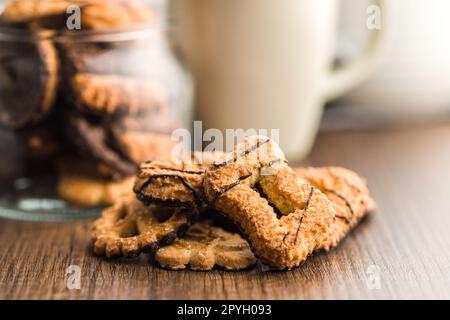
point(29, 81)
point(91, 139)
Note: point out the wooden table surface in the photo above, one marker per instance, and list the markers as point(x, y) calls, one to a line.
point(400, 252)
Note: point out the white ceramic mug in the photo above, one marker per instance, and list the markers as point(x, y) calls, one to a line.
point(267, 64)
point(413, 82)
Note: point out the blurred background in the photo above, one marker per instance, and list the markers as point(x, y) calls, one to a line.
point(105, 83)
point(376, 64)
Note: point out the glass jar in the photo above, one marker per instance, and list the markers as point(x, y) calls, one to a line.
point(88, 90)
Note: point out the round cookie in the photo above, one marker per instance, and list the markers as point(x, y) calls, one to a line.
point(29, 77)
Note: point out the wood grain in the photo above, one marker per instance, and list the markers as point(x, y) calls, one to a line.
point(406, 241)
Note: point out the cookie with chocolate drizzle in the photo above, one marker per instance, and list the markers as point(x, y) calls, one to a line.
point(29, 77)
point(285, 218)
point(129, 228)
point(175, 183)
point(349, 194)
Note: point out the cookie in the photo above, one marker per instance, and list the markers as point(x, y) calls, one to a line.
point(175, 183)
point(205, 246)
point(111, 94)
point(170, 184)
point(92, 141)
point(80, 184)
point(349, 194)
point(29, 77)
point(129, 228)
point(284, 218)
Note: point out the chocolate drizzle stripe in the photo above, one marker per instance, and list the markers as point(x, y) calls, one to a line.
point(175, 170)
point(347, 203)
point(284, 238)
point(304, 211)
point(168, 176)
point(347, 220)
point(170, 203)
point(230, 186)
point(242, 154)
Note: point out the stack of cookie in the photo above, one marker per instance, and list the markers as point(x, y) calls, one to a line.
point(283, 215)
point(85, 96)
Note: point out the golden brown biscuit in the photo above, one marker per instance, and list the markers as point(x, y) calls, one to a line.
point(349, 194)
point(252, 186)
point(205, 246)
point(175, 183)
point(129, 228)
point(109, 94)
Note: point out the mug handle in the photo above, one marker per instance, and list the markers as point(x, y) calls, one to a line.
point(345, 78)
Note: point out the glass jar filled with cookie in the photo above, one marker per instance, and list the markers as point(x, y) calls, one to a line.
point(88, 91)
